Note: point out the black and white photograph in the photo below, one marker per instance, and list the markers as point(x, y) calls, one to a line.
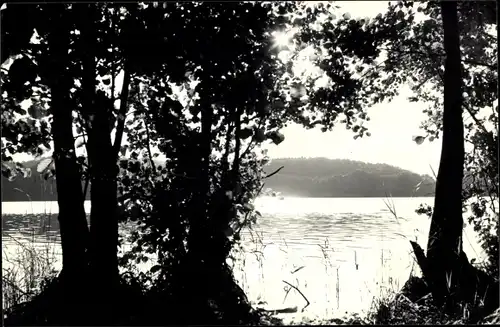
point(264, 163)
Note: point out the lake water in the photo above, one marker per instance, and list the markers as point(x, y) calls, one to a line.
point(341, 253)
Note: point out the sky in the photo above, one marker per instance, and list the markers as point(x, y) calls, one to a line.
point(392, 126)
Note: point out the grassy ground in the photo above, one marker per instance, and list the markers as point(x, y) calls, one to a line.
point(25, 270)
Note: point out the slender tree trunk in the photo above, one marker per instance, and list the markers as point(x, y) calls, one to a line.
point(103, 192)
point(445, 236)
point(200, 238)
point(235, 302)
point(237, 149)
point(72, 218)
point(120, 126)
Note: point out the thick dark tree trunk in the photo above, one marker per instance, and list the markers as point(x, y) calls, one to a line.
point(72, 218)
point(445, 236)
point(200, 253)
point(103, 169)
point(446, 268)
point(103, 215)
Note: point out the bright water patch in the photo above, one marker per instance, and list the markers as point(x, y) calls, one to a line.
point(339, 252)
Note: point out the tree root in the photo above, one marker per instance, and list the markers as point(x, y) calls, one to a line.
point(477, 289)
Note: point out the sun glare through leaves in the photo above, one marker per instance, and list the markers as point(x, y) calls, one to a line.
point(283, 39)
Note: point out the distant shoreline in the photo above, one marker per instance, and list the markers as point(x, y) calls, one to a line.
point(278, 198)
point(299, 177)
point(347, 197)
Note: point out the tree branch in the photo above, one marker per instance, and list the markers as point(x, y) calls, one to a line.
point(464, 104)
point(249, 147)
point(236, 161)
point(123, 110)
point(275, 172)
point(433, 54)
point(477, 63)
point(478, 123)
point(149, 147)
point(84, 124)
point(113, 64)
point(227, 146)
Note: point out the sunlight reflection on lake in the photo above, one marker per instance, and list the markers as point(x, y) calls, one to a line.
point(339, 252)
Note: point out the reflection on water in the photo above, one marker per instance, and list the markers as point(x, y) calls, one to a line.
point(341, 253)
point(39, 226)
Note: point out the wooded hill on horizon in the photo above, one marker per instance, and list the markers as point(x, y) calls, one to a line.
point(306, 177)
point(323, 177)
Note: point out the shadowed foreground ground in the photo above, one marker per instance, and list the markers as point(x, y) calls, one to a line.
point(412, 305)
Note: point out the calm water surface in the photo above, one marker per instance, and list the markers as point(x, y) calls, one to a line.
point(340, 252)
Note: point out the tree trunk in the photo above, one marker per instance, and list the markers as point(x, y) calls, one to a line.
point(446, 269)
point(235, 303)
point(445, 236)
point(103, 170)
point(199, 238)
point(208, 245)
point(72, 219)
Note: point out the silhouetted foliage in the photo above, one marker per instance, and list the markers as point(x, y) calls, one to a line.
point(177, 150)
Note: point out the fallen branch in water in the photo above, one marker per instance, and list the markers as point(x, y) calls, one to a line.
point(276, 311)
point(295, 288)
point(294, 271)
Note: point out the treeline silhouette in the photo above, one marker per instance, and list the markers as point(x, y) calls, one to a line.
point(32, 188)
point(322, 177)
point(307, 177)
